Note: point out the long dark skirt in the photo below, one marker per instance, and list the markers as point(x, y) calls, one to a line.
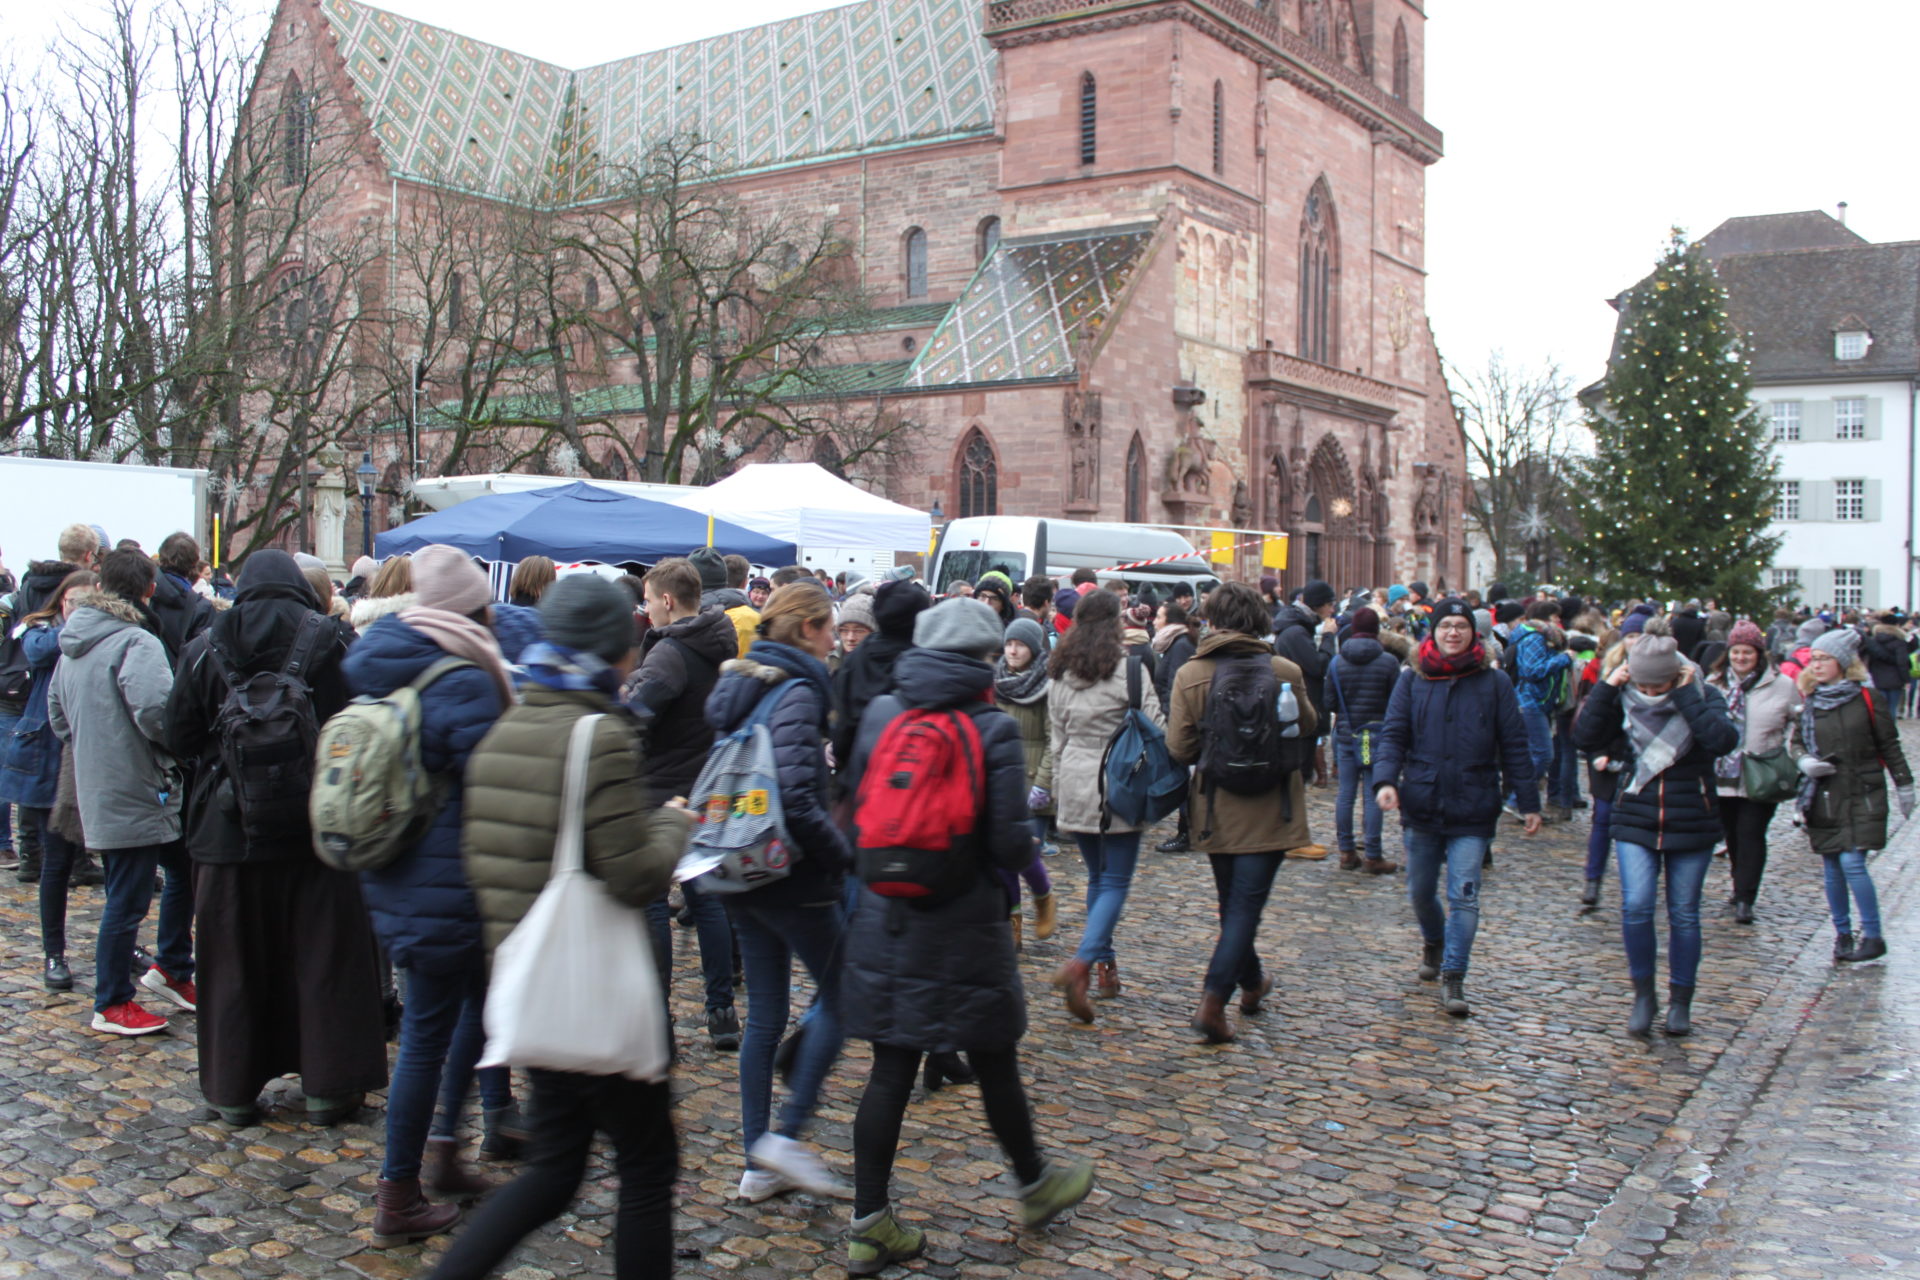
point(289, 981)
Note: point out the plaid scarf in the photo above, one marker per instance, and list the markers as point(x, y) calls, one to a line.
point(1435, 665)
point(1825, 697)
point(1727, 767)
point(1658, 732)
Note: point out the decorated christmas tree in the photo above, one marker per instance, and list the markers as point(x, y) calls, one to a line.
point(1678, 496)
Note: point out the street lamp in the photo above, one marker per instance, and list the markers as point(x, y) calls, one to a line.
point(366, 471)
point(937, 514)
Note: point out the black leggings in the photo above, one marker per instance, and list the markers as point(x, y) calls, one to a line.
point(1745, 823)
point(876, 1128)
point(56, 873)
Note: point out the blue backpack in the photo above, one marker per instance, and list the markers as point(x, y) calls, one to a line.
point(1139, 782)
point(739, 840)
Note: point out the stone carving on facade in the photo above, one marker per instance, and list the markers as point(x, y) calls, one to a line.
point(1081, 409)
point(1190, 465)
point(330, 508)
point(1242, 510)
point(1427, 503)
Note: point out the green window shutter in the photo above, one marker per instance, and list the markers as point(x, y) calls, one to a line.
point(1816, 500)
point(1816, 420)
point(1870, 589)
point(1873, 500)
point(1873, 417)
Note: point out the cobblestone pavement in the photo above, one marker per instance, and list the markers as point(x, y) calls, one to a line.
point(1354, 1130)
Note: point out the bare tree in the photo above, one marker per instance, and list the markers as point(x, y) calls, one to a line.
point(1518, 428)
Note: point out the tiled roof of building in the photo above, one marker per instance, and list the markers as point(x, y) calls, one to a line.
point(1028, 307)
point(1772, 232)
point(868, 75)
point(1793, 302)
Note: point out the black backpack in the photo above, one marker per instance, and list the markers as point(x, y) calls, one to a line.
point(1242, 749)
point(267, 731)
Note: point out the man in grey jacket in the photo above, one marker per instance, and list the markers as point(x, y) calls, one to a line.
point(109, 699)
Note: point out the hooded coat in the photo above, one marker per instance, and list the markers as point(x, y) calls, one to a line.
point(1364, 674)
point(109, 698)
point(1678, 810)
point(867, 672)
point(679, 665)
point(182, 613)
point(739, 610)
point(1224, 822)
point(1445, 745)
point(30, 753)
point(1888, 654)
point(1082, 720)
point(1861, 741)
point(944, 976)
point(1297, 637)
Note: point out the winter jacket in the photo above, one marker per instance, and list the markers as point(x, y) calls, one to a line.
point(1534, 663)
point(421, 905)
point(1365, 674)
point(679, 665)
point(1138, 642)
point(30, 752)
point(511, 819)
point(866, 674)
point(1168, 665)
point(1082, 719)
point(1678, 811)
point(1849, 809)
point(516, 628)
point(1223, 822)
point(1446, 744)
point(109, 698)
point(370, 609)
point(182, 613)
point(254, 636)
point(1297, 637)
point(739, 610)
point(944, 976)
point(798, 727)
point(1772, 710)
point(1688, 629)
point(1888, 655)
point(37, 585)
point(1036, 741)
point(1780, 639)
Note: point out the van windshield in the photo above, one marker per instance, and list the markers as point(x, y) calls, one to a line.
point(971, 564)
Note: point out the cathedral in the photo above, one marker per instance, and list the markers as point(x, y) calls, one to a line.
point(1157, 261)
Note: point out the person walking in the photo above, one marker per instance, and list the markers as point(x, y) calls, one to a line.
point(109, 699)
point(1452, 736)
point(867, 672)
point(423, 910)
point(1763, 705)
point(1539, 662)
point(798, 916)
point(1306, 635)
point(1665, 813)
point(510, 825)
point(1086, 704)
point(1245, 836)
point(1888, 653)
point(264, 903)
point(1176, 636)
point(1359, 685)
point(1604, 764)
point(1020, 686)
point(939, 974)
point(1849, 747)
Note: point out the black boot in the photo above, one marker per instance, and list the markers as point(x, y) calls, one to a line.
point(948, 1067)
point(1646, 1007)
point(1590, 896)
point(1679, 1010)
point(503, 1133)
point(1843, 946)
point(1429, 961)
point(1742, 912)
point(1453, 995)
point(1867, 949)
point(86, 870)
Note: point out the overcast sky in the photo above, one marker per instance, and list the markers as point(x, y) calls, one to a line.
point(1577, 134)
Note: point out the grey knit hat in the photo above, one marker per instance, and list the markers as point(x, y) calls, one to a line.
point(710, 565)
point(858, 610)
point(584, 611)
point(1028, 633)
point(1842, 644)
point(959, 626)
point(1655, 660)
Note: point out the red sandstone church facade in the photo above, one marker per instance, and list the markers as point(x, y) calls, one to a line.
point(1145, 260)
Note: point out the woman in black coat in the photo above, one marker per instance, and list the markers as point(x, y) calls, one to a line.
point(939, 974)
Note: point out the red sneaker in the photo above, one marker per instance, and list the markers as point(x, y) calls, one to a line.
point(128, 1019)
point(181, 993)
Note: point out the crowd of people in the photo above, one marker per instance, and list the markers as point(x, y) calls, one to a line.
point(920, 759)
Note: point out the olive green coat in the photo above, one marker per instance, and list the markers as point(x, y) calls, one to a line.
point(1035, 743)
point(1849, 809)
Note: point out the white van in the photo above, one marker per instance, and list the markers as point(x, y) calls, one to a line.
point(1021, 546)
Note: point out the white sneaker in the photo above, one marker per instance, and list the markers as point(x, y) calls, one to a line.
point(762, 1184)
point(798, 1164)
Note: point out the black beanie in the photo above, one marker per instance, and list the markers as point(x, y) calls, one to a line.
point(1452, 607)
point(1508, 611)
point(1316, 594)
point(896, 605)
point(711, 565)
point(1496, 593)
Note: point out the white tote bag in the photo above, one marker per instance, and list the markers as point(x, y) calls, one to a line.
point(574, 986)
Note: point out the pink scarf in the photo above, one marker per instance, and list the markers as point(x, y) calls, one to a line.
point(462, 637)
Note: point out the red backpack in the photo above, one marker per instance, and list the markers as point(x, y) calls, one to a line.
point(917, 804)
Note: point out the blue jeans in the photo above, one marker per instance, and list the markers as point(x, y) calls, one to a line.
point(442, 1035)
point(1427, 851)
point(129, 886)
point(714, 935)
point(1640, 870)
point(1241, 881)
point(1599, 839)
point(1539, 722)
point(771, 935)
point(1847, 872)
point(1351, 781)
point(1110, 861)
point(1563, 777)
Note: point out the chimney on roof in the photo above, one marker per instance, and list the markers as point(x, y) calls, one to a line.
point(1843, 213)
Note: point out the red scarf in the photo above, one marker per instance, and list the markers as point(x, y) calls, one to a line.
point(1435, 665)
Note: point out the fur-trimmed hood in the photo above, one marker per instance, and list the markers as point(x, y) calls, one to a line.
point(768, 675)
point(97, 615)
point(370, 609)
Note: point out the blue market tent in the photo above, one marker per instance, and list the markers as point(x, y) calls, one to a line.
point(577, 522)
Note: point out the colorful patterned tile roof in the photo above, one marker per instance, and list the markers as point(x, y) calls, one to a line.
point(1024, 311)
point(872, 74)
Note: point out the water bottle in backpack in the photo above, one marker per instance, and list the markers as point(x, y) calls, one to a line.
point(1286, 709)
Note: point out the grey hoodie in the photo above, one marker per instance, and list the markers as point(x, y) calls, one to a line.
point(109, 699)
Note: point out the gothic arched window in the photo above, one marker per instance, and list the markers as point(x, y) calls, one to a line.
point(1314, 25)
point(1088, 117)
point(456, 300)
point(916, 263)
point(1402, 62)
point(987, 239)
point(1219, 127)
point(1319, 277)
point(296, 132)
point(979, 479)
point(1136, 481)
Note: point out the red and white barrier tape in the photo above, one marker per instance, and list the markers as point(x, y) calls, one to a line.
point(1206, 554)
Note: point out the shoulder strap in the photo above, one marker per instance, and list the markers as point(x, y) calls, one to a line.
point(1133, 682)
point(1333, 679)
point(763, 709)
point(569, 853)
point(440, 668)
point(305, 642)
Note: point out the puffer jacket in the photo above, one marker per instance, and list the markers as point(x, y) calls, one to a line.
point(1888, 655)
point(1453, 747)
point(517, 629)
point(798, 727)
point(1297, 637)
point(368, 610)
point(1849, 809)
point(1082, 719)
point(944, 976)
point(1178, 653)
point(1677, 811)
point(739, 610)
point(679, 665)
point(1772, 710)
point(109, 699)
point(1364, 674)
point(514, 781)
point(1223, 822)
point(421, 905)
point(30, 753)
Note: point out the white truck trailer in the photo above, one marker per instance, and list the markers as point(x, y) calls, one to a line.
point(41, 496)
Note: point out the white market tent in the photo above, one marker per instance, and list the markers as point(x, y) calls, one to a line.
point(804, 503)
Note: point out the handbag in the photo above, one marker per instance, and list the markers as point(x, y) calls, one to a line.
point(574, 986)
point(1770, 778)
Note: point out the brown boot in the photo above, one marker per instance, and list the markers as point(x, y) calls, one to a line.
point(1211, 1021)
point(1072, 981)
point(1250, 997)
point(447, 1175)
point(1321, 778)
point(402, 1215)
point(1014, 920)
point(1046, 915)
point(1349, 860)
point(1106, 980)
